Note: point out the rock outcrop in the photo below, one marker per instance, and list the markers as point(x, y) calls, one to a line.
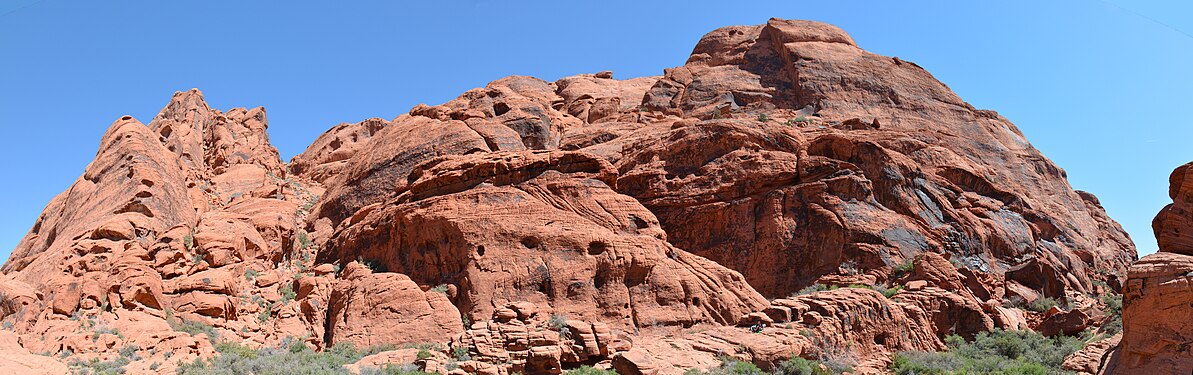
point(1158, 297)
point(783, 193)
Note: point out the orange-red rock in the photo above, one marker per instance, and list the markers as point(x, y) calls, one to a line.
point(628, 224)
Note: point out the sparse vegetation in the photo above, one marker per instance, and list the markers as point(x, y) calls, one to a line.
point(589, 370)
point(406, 369)
point(97, 367)
point(818, 287)
point(460, 353)
point(251, 274)
point(304, 240)
point(800, 366)
point(441, 289)
point(188, 241)
point(191, 328)
point(130, 352)
point(849, 268)
point(729, 366)
point(1114, 313)
point(996, 352)
point(1042, 304)
point(762, 117)
point(557, 321)
point(796, 121)
point(238, 359)
point(287, 292)
point(903, 269)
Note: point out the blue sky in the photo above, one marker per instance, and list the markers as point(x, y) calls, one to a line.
point(1100, 87)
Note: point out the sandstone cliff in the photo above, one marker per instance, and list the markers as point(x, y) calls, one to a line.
point(533, 226)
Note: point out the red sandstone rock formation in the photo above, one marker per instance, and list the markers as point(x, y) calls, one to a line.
point(1158, 297)
point(639, 224)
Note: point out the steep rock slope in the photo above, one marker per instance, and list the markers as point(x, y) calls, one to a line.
point(642, 224)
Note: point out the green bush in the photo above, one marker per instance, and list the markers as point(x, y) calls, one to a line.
point(729, 367)
point(238, 359)
point(800, 366)
point(304, 240)
point(407, 369)
point(192, 328)
point(813, 289)
point(1114, 313)
point(762, 117)
point(995, 352)
point(287, 292)
point(130, 352)
point(903, 269)
point(1042, 304)
point(97, 367)
point(589, 370)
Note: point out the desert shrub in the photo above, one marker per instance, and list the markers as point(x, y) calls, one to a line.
point(406, 369)
point(1042, 304)
point(238, 359)
point(304, 240)
point(888, 292)
point(424, 354)
point(557, 321)
point(188, 241)
point(1114, 313)
point(287, 292)
point(813, 289)
point(995, 352)
point(130, 352)
point(97, 367)
point(251, 274)
point(441, 289)
point(800, 366)
point(460, 353)
point(192, 328)
point(762, 117)
point(903, 269)
point(729, 366)
point(796, 121)
point(589, 370)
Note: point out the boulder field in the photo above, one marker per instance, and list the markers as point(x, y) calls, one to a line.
point(783, 177)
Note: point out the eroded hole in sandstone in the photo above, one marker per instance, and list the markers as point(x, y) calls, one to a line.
point(639, 223)
point(500, 109)
point(531, 242)
point(135, 207)
point(480, 250)
point(597, 247)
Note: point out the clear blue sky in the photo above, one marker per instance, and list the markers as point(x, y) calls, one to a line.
point(1102, 89)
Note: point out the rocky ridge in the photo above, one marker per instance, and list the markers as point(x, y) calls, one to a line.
point(782, 176)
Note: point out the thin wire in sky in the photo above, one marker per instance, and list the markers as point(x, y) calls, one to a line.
point(1146, 17)
point(20, 7)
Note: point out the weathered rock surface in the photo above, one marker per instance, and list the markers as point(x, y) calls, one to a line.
point(541, 227)
point(1158, 296)
point(646, 225)
point(1157, 316)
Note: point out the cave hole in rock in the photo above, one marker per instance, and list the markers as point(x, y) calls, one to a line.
point(597, 247)
point(531, 242)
